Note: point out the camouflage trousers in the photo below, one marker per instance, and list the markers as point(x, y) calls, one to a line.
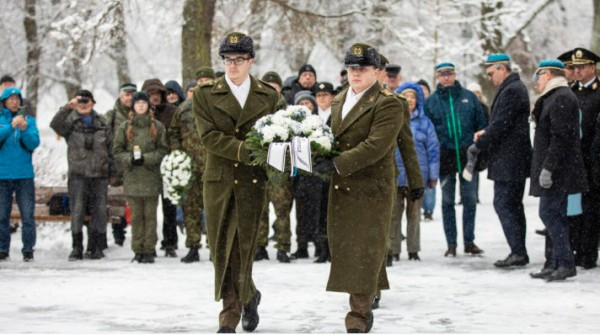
point(280, 194)
point(193, 205)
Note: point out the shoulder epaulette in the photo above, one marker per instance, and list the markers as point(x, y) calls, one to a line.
point(386, 92)
point(210, 82)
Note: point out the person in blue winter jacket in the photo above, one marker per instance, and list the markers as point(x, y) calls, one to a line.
point(428, 153)
point(19, 136)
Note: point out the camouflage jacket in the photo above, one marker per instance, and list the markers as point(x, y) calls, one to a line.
point(184, 136)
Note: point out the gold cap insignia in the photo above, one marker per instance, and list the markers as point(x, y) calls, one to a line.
point(357, 51)
point(578, 54)
point(233, 39)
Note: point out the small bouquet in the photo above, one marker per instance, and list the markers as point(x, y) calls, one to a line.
point(294, 121)
point(176, 171)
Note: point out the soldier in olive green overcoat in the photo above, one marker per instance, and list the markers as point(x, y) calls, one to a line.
point(234, 190)
point(365, 121)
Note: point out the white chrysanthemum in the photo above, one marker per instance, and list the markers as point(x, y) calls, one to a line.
point(268, 134)
point(263, 121)
point(313, 121)
point(282, 133)
point(323, 141)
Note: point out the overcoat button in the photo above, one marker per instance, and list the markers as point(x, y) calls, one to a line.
point(336, 187)
point(236, 164)
point(254, 181)
point(348, 189)
point(347, 145)
point(235, 182)
point(237, 130)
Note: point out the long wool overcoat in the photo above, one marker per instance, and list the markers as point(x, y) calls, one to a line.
point(362, 190)
point(234, 190)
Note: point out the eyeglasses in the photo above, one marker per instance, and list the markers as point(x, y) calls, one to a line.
point(13, 98)
point(446, 74)
point(237, 61)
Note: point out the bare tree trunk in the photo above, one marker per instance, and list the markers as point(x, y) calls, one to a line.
point(491, 40)
point(196, 35)
point(119, 50)
point(595, 43)
point(33, 54)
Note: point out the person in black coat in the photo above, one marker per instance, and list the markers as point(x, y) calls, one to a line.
point(557, 169)
point(306, 81)
point(506, 140)
point(586, 228)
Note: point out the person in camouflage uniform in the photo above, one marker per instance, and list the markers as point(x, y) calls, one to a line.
point(184, 136)
point(279, 192)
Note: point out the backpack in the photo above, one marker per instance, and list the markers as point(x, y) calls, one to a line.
point(59, 204)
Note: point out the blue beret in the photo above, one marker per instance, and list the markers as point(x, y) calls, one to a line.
point(445, 67)
point(551, 64)
point(497, 58)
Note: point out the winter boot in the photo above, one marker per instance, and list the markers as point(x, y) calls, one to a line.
point(389, 260)
point(137, 258)
point(261, 253)
point(324, 255)
point(192, 256)
point(302, 251)
point(170, 252)
point(77, 253)
point(97, 246)
point(282, 256)
point(147, 258)
point(250, 313)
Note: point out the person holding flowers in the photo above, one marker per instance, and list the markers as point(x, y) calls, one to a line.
point(139, 147)
point(234, 189)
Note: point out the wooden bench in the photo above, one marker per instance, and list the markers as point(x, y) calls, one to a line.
point(115, 204)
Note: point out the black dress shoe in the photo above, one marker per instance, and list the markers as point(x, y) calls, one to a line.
point(300, 253)
point(283, 257)
point(413, 256)
point(261, 253)
point(562, 273)
point(396, 257)
point(225, 330)
point(544, 273)
point(512, 260)
point(250, 313)
point(353, 331)
point(170, 252)
point(390, 260)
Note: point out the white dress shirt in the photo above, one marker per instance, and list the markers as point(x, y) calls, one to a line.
point(324, 114)
point(352, 98)
point(239, 92)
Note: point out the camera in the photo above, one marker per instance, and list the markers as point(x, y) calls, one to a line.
point(84, 100)
point(88, 142)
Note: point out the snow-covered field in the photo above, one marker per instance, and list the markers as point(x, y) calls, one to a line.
point(438, 295)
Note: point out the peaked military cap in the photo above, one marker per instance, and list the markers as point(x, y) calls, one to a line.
point(128, 87)
point(446, 66)
point(566, 58)
point(205, 72)
point(360, 54)
point(383, 62)
point(393, 69)
point(272, 77)
point(236, 43)
point(584, 56)
point(324, 87)
point(497, 58)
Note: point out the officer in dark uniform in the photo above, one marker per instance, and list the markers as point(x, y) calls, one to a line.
point(567, 59)
point(234, 189)
point(587, 89)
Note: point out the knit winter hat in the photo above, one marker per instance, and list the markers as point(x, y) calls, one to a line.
point(304, 95)
point(141, 95)
point(85, 94)
point(307, 68)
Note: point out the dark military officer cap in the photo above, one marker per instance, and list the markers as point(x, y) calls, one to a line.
point(237, 43)
point(324, 87)
point(566, 58)
point(584, 56)
point(393, 69)
point(205, 72)
point(272, 77)
point(383, 62)
point(360, 54)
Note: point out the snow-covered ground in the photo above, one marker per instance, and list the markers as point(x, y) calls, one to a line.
point(438, 295)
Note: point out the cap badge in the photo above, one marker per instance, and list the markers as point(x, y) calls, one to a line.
point(357, 51)
point(233, 39)
point(578, 54)
point(322, 86)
